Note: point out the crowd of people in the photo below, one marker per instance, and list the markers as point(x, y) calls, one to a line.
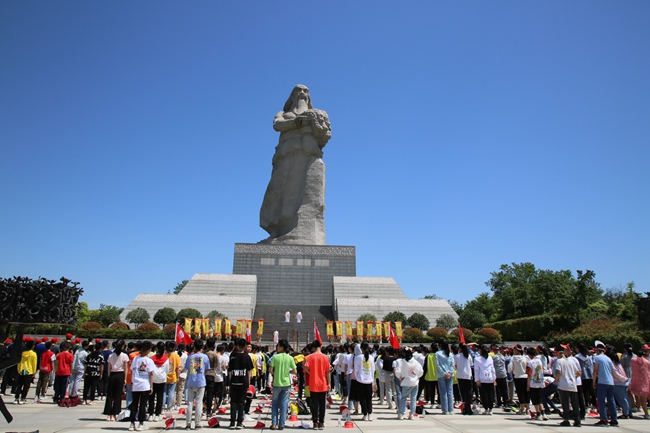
point(207, 377)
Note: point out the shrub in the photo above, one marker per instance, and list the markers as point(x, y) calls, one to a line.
point(368, 317)
point(466, 332)
point(170, 329)
point(165, 316)
point(149, 326)
point(395, 316)
point(138, 316)
point(532, 328)
point(437, 333)
point(188, 313)
point(419, 321)
point(413, 335)
point(446, 321)
point(91, 325)
point(491, 335)
point(120, 325)
point(609, 331)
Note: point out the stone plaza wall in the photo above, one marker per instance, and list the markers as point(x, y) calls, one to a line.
point(221, 285)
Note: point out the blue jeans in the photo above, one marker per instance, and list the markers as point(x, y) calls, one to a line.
point(602, 392)
point(446, 392)
point(546, 393)
point(620, 393)
point(129, 394)
point(398, 390)
point(168, 396)
point(407, 391)
point(281, 402)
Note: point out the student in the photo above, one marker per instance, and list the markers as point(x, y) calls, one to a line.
point(621, 383)
point(388, 363)
point(567, 371)
point(26, 371)
point(62, 369)
point(464, 367)
point(182, 377)
point(239, 368)
point(161, 362)
point(485, 378)
point(220, 377)
point(502, 377)
point(640, 385)
point(210, 375)
point(93, 371)
point(118, 363)
point(196, 365)
point(172, 376)
point(604, 383)
point(445, 372)
point(408, 371)
point(364, 370)
point(103, 383)
point(317, 366)
point(587, 376)
point(45, 371)
point(78, 367)
point(517, 367)
point(282, 366)
point(535, 372)
point(142, 368)
point(430, 375)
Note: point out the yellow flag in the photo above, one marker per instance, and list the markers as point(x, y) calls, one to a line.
point(217, 326)
point(369, 332)
point(188, 326)
point(240, 328)
point(387, 329)
point(260, 326)
point(348, 330)
point(205, 326)
point(339, 329)
point(378, 326)
point(398, 329)
point(360, 329)
point(197, 327)
point(329, 329)
point(228, 327)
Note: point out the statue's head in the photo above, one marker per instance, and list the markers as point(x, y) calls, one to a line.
point(298, 92)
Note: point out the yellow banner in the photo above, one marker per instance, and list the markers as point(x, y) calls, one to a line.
point(348, 330)
point(227, 327)
point(249, 326)
point(197, 327)
point(339, 329)
point(217, 326)
point(205, 325)
point(369, 332)
point(239, 331)
point(387, 329)
point(378, 327)
point(329, 329)
point(398, 329)
point(188, 326)
point(260, 327)
point(359, 329)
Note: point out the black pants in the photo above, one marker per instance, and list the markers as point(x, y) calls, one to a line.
point(572, 397)
point(90, 387)
point(103, 384)
point(22, 385)
point(581, 402)
point(502, 392)
point(466, 391)
point(10, 379)
point(344, 384)
point(208, 397)
point(301, 384)
point(487, 395)
point(365, 398)
point(139, 405)
point(113, 404)
point(157, 396)
point(237, 403)
point(318, 406)
point(422, 385)
point(60, 387)
point(589, 392)
point(218, 394)
point(432, 386)
point(521, 386)
point(457, 393)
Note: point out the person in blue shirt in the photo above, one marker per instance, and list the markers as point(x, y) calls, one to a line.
point(445, 365)
point(604, 383)
point(196, 365)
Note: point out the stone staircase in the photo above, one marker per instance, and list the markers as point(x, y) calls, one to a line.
point(273, 316)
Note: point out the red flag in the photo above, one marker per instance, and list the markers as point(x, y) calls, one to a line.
point(460, 334)
point(181, 336)
point(249, 337)
point(316, 333)
point(392, 338)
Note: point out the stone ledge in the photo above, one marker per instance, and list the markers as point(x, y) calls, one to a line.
point(392, 302)
point(178, 299)
point(365, 280)
point(225, 277)
point(295, 250)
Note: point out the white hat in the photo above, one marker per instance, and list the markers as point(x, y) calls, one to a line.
point(599, 344)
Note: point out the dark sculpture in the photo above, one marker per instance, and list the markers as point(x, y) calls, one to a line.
point(643, 309)
point(25, 302)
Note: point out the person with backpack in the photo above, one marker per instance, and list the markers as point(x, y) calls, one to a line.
point(161, 361)
point(26, 371)
point(430, 376)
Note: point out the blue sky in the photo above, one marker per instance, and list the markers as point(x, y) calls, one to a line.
point(136, 137)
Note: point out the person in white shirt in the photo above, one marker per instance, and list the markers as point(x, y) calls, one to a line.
point(142, 369)
point(568, 370)
point(535, 371)
point(517, 367)
point(408, 371)
point(486, 378)
point(364, 370)
point(464, 365)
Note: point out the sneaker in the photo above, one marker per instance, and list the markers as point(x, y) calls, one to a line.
point(188, 427)
point(544, 417)
point(23, 401)
point(16, 401)
point(132, 427)
point(602, 422)
point(231, 426)
point(198, 427)
point(613, 423)
point(239, 426)
point(369, 418)
point(565, 423)
point(577, 424)
point(528, 416)
point(141, 427)
point(399, 416)
point(247, 418)
point(646, 416)
point(365, 418)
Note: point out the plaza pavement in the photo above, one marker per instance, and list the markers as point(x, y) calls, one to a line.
point(49, 418)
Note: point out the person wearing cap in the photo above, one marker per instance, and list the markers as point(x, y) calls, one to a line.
point(517, 367)
point(604, 383)
point(26, 372)
point(45, 371)
point(567, 371)
point(640, 384)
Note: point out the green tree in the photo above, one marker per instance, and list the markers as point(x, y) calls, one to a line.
point(138, 316)
point(395, 316)
point(472, 319)
point(456, 306)
point(107, 314)
point(446, 321)
point(418, 321)
point(83, 313)
point(188, 313)
point(165, 316)
point(368, 317)
point(180, 286)
point(514, 286)
point(432, 296)
point(484, 304)
point(214, 314)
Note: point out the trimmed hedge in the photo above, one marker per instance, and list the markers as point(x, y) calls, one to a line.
point(490, 334)
point(609, 331)
point(148, 327)
point(91, 325)
point(437, 333)
point(119, 325)
point(413, 335)
point(532, 328)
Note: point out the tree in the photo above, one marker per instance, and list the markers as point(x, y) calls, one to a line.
point(188, 313)
point(432, 296)
point(472, 319)
point(418, 321)
point(180, 286)
point(395, 316)
point(456, 306)
point(446, 321)
point(83, 313)
point(107, 314)
point(368, 317)
point(138, 316)
point(214, 314)
point(165, 316)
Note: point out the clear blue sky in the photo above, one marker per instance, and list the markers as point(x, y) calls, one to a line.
point(136, 137)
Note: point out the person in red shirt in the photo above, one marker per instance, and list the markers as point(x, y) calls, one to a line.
point(317, 366)
point(62, 369)
point(47, 362)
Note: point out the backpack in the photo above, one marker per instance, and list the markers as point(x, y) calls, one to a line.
point(303, 409)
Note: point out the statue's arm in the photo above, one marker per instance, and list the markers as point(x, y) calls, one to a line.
point(281, 124)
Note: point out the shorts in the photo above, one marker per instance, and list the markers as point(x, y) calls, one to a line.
point(535, 395)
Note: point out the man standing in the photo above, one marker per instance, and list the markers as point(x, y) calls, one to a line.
point(282, 365)
point(239, 367)
point(317, 366)
point(604, 384)
point(211, 375)
point(78, 367)
point(196, 365)
point(567, 371)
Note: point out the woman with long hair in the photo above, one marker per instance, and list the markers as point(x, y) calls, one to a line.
point(587, 365)
point(117, 365)
point(408, 372)
point(621, 382)
point(445, 365)
point(464, 365)
point(486, 378)
point(640, 385)
point(364, 370)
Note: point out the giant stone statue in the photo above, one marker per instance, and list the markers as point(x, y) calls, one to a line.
point(293, 210)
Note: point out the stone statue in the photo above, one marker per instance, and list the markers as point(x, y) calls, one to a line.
point(293, 210)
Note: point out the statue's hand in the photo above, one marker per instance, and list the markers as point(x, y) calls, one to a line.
point(302, 120)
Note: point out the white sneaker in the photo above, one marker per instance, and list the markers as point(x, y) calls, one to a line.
point(132, 427)
point(369, 417)
point(528, 416)
point(247, 418)
point(544, 417)
point(141, 427)
point(16, 401)
point(365, 418)
point(399, 416)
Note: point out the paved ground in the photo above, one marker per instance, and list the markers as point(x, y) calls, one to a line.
point(47, 418)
